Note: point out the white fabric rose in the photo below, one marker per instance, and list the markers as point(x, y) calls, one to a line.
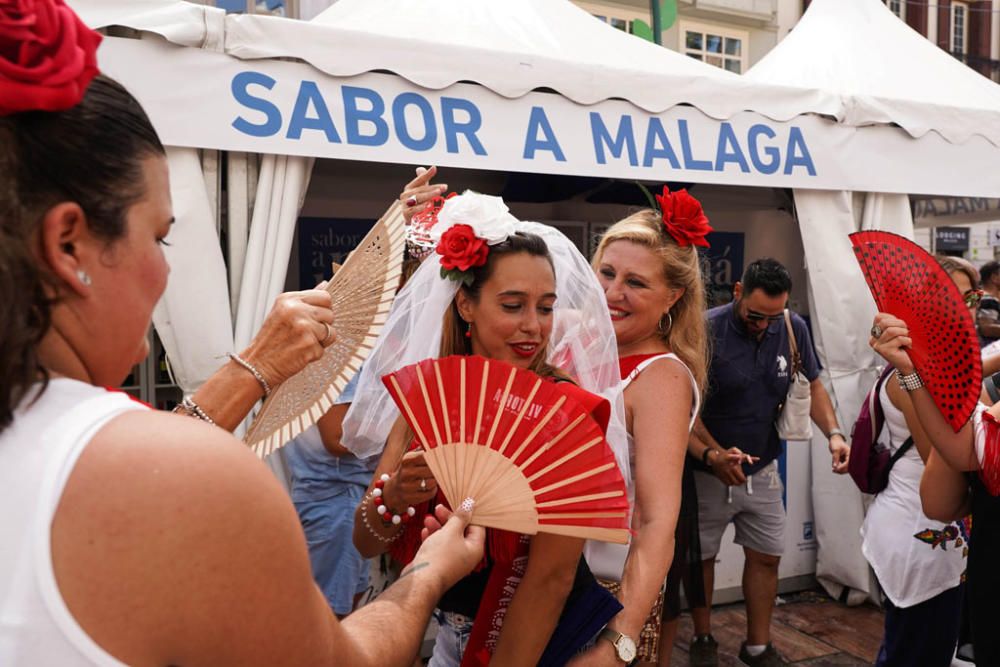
point(488, 216)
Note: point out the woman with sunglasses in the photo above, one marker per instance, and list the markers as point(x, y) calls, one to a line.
point(919, 562)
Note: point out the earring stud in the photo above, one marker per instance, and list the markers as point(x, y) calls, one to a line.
point(84, 277)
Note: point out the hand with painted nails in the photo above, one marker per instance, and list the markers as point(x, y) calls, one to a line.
point(419, 192)
point(450, 545)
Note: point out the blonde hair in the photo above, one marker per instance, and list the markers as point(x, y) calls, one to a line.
point(687, 336)
point(959, 264)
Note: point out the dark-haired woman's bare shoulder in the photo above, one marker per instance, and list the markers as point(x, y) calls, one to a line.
point(167, 530)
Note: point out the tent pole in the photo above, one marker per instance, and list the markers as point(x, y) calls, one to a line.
point(654, 11)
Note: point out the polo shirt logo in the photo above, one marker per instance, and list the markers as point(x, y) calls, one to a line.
point(782, 366)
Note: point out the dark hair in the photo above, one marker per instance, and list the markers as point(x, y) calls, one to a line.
point(453, 340)
point(988, 270)
point(767, 274)
point(90, 154)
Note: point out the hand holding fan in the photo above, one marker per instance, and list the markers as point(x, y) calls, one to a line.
point(363, 290)
point(908, 283)
point(533, 458)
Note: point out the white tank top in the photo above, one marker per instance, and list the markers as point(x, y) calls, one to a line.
point(37, 454)
point(914, 558)
point(606, 560)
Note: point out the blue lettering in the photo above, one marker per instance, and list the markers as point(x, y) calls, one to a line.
point(354, 116)
point(798, 154)
point(452, 128)
point(309, 93)
point(239, 86)
point(689, 161)
point(772, 165)
point(624, 140)
point(658, 146)
point(539, 122)
point(399, 119)
point(728, 150)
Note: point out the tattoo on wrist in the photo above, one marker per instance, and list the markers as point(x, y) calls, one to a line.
point(413, 568)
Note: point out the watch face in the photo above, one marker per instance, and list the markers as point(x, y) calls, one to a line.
point(626, 648)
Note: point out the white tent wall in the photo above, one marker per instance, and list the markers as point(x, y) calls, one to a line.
point(840, 328)
point(280, 190)
point(193, 318)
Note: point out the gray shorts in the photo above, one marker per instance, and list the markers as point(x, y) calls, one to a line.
point(755, 508)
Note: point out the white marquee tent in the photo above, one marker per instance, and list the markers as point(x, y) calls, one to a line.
point(884, 72)
point(539, 86)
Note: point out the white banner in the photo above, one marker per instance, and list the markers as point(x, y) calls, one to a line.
point(210, 100)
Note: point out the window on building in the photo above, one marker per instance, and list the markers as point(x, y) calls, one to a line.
point(714, 45)
point(621, 18)
point(897, 7)
point(959, 27)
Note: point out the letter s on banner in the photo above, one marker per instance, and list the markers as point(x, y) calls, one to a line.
point(239, 87)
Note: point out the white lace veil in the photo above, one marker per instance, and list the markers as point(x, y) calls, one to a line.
point(582, 342)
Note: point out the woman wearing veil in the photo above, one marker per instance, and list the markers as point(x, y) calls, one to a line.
point(519, 292)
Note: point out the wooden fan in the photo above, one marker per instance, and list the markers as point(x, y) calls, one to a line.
point(363, 290)
point(908, 282)
point(532, 457)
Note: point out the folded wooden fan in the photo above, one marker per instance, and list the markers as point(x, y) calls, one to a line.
point(907, 282)
point(533, 458)
point(363, 290)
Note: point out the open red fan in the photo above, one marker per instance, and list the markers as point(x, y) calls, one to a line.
point(908, 282)
point(533, 458)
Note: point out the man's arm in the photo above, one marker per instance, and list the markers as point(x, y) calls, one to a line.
point(821, 411)
point(724, 463)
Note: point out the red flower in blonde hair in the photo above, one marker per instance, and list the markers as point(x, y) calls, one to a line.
point(683, 218)
point(47, 56)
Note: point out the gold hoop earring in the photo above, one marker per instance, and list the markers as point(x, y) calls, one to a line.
point(670, 325)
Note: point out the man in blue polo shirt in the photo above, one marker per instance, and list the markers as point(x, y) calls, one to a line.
point(737, 442)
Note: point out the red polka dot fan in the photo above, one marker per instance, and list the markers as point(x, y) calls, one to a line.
point(533, 458)
point(907, 282)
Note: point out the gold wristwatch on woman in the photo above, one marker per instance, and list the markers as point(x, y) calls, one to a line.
point(624, 645)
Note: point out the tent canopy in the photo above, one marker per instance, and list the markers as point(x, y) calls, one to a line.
point(883, 71)
point(511, 48)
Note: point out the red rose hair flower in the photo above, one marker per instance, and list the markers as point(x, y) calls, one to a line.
point(47, 56)
point(461, 250)
point(683, 218)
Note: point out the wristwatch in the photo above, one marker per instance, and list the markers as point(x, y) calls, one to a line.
point(624, 645)
point(835, 431)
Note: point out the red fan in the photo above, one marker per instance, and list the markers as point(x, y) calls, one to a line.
point(908, 282)
point(532, 457)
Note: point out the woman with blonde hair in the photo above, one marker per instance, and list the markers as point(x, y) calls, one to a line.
point(649, 267)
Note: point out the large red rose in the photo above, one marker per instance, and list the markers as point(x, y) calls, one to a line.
point(461, 250)
point(47, 56)
point(684, 218)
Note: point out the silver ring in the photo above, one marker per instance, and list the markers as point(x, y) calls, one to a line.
point(329, 333)
point(876, 331)
point(423, 484)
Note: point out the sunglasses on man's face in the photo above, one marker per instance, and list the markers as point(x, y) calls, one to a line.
point(754, 316)
point(972, 297)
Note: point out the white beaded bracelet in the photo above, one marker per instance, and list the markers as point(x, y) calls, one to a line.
point(256, 373)
point(364, 519)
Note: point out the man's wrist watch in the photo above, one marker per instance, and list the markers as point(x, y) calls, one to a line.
point(624, 645)
point(704, 457)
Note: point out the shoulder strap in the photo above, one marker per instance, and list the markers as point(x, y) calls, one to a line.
point(695, 406)
point(875, 405)
point(905, 447)
point(642, 366)
point(792, 343)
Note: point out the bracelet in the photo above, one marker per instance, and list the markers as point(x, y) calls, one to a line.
point(835, 431)
point(910, 382)
point(256, 373)
point(189, 408)
point(383, 511)
point(364, 518)
point(704, 457)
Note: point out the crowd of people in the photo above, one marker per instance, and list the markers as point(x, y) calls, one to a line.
point(142, 537)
